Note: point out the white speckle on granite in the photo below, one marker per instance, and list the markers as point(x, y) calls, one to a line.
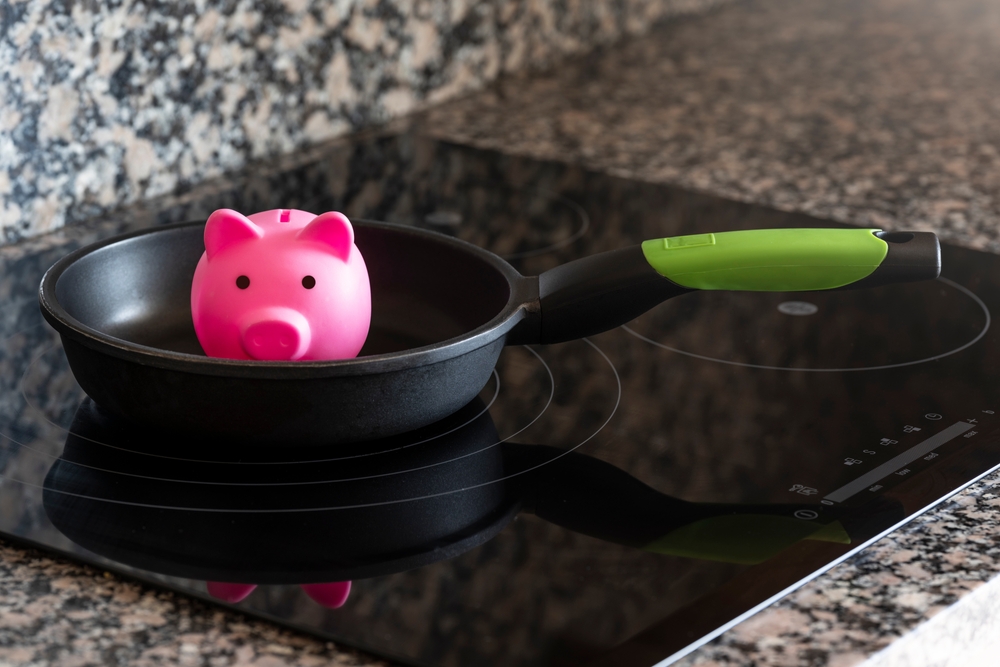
point(56, 119)
point(424, 46)
point(365, 32)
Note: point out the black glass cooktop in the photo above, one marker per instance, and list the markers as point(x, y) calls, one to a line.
point(616, 500)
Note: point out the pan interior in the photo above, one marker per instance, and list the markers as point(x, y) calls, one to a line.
point(424, 290)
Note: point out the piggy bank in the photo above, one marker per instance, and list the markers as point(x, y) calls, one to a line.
point(280, 285)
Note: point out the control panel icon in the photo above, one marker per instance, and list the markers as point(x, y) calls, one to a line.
point(911, 429)
point(798, 308)
point(887, 441)
point(803, 490)
point(851, 462)
point(933, 416)
point(807, 515)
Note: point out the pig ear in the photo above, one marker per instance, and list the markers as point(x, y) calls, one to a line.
point(333, 230)
point(226, 227)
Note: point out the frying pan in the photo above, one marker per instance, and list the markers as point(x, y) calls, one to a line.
point(442, 311)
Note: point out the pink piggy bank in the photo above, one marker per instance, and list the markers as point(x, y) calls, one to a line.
point(281, 285)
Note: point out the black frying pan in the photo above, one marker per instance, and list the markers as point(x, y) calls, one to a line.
point(442, 311)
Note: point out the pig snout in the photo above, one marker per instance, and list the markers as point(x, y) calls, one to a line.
point(275, 334)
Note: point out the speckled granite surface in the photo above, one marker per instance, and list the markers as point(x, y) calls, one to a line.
point(964, 634)
point(57, 613)
point(108, 103)
point(779, 102)
point(878, 113)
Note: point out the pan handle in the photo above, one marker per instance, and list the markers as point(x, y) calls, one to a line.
point(601, 292)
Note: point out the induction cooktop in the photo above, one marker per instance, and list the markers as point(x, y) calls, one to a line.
point(616, 500)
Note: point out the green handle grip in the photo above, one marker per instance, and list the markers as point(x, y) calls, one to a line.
point(768, 260)
point(600, 292)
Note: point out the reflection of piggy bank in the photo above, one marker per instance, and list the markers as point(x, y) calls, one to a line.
point(332, 595)
point(280, 285)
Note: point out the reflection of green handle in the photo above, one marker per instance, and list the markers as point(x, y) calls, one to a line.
point(744, 538)
point(768, 260)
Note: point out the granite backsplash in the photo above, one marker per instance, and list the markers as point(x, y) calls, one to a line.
point(109, 102)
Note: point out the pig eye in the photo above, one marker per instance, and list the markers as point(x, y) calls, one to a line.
point(309, 282)
point(243, 282)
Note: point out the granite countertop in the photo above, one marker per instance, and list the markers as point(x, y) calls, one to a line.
point(871, 112)
point(61, 613)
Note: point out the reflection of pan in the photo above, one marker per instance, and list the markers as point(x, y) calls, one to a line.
point(395, 508)
point(268, 525)
point(442, 311)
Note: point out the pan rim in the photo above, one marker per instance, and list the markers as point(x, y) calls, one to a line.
point(67, 325)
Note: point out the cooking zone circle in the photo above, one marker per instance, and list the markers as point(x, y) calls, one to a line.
point(822, 335)
point(522, 404)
